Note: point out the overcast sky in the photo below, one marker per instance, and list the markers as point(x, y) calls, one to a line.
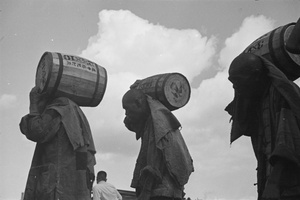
point(134, 40)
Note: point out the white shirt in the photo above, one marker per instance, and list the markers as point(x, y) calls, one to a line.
point(105, 191)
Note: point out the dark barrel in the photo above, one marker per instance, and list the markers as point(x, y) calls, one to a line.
point(272, 47)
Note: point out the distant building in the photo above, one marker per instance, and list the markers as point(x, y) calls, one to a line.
point(127, 195)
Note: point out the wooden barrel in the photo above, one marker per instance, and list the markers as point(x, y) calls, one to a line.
point(171, 89)
point(272, 47)
point(79, 79)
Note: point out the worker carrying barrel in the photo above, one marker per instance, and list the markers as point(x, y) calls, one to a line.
point(64, 158)
point(266, 108)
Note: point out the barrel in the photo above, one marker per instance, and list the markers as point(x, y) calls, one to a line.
point(171, 89)
point(63, 75)
point(272, 47)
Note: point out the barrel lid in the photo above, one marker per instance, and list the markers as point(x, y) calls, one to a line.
point(292, 67)
point(177, 90)
point(294, 57)
point(43, 71)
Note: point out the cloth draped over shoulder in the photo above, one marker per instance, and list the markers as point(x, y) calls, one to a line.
point(175, 152)
point(75, 123)
point(288, 89)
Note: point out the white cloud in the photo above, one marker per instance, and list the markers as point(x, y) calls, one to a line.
point(7, 101)
point(127, 43)
point(297, 82)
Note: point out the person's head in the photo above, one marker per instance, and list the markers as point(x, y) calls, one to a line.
point(248, 75)
point(136, 109)
point(101, 176)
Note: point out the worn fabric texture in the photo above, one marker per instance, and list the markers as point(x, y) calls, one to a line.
point(75, 123)
point(273, 123)
point(63, 163)
point(163, 154)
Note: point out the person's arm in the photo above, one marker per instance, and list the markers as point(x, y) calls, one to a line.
point(41, 124)
point(284, 154)
point(272, 185)
point(149, 175)
point(40, 128)
point(147, 188)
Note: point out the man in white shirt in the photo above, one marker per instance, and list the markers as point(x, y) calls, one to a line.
point(104, 190)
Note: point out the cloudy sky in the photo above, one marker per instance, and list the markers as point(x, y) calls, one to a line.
point(134, 40)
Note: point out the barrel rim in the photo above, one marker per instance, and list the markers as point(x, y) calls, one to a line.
point(105, 83)
point(49, 69)
point(96, 88)
point(169, 105)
